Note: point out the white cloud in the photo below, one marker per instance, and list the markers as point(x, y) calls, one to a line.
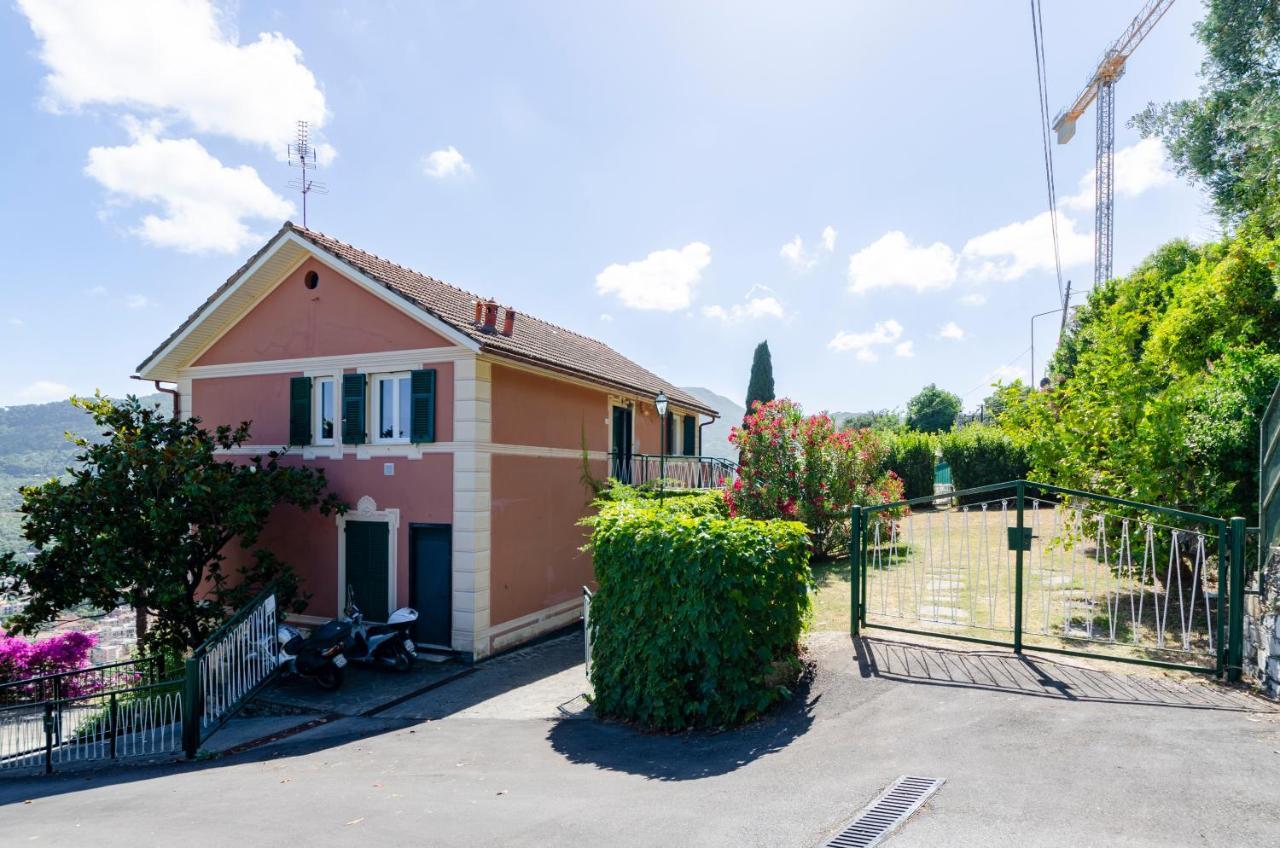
point(801, 258)
point(951, 330)
point(17, 322)
point(1139, 168)
point(828, 238)
point(863, 344)
point(765, 305)
point(973, 299)
point(663, 280)
point(98, 291)
point(137, 301)
point(1015, 250)
point(1007, 374)
point(445, 164)
point(177, 60)
point(606, 317)
point(44, 391)
point(904, 349)
point(203, 203)
point(892, 260)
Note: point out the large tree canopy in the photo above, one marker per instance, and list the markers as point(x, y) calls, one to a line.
point(144, 518)
point(1226, 139)
point(933, 410)
point(1159, 385)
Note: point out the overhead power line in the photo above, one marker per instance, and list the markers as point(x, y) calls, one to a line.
point(1042, 86)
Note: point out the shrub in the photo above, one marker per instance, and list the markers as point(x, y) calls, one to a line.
point(795, 467)
point(21, 659)
point(697, 620)
point(912, 457)
point(980, 455)
point(683, 501)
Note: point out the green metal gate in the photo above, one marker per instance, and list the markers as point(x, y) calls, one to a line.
point(1029, 565)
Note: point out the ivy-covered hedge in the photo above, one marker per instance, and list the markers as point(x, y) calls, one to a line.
point(980, 455)
point(697, 619)
point(913, 457)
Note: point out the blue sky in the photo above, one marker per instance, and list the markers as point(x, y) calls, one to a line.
point(638, 172)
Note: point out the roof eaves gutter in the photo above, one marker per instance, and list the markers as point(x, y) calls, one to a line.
point(596, 379)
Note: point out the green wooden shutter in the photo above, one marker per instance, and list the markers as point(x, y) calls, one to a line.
point(300, 411)
point(353, 409)
point(690, 436)
point(422, 400)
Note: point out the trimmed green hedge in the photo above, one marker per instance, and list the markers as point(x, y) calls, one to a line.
point(683, 501)
point(980, 455)
point(697, 620)
point(912, 456)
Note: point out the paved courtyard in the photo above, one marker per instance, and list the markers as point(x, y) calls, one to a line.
point(1035, 752)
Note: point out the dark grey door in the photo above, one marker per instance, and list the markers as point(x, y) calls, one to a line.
point(368, 552)
point(431, 582)
point(621, 470)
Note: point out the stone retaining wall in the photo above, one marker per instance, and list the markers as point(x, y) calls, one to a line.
point(1262, 629)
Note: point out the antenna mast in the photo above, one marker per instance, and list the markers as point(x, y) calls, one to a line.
point(302, 155)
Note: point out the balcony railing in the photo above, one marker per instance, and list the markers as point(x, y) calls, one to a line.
point(692, 472)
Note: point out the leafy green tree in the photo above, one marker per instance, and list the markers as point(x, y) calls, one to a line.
point(145, 518)
point(882, 420)
point(760, 386)
point(933, 410)
point(1226, 139)
point(1160, 384)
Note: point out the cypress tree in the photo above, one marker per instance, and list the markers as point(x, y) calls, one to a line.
point(760, 386)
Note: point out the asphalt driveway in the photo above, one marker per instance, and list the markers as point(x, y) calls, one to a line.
point(1034, 753)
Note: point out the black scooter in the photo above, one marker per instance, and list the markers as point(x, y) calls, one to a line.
point(318, 656)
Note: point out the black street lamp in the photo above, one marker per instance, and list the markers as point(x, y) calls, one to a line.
point(661, 403)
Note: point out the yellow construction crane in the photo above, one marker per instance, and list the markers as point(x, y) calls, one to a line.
point(1101, 87)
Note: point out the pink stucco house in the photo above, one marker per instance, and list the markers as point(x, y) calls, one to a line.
point(454, 426)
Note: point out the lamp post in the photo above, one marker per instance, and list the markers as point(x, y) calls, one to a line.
point(661, 403)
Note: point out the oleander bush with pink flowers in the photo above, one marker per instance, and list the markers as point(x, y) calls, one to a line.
point(803, 468)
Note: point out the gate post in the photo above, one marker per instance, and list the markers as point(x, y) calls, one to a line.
point(191, 708)
point(1021, 488)
point(855, 570)
point(1235, 601)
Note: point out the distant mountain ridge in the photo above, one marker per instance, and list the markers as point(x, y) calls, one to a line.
point(715, 436)
point(33, 448)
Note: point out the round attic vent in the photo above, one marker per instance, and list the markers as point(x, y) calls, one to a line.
point(311, 280)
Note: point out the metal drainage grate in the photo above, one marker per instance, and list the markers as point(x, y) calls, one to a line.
point(878, 819)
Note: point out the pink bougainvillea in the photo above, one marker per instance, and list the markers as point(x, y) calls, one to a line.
point(804, 468)
point(21, 659)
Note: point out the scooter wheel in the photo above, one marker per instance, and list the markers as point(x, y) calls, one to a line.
point(330, 677)
point(402, 662)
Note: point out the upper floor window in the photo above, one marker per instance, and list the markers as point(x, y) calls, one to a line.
point(392, 407)
point(325, 411)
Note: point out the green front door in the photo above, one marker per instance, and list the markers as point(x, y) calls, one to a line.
point(368, 553)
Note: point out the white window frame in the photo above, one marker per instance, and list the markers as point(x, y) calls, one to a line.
point(317, 410)
point(375, 404)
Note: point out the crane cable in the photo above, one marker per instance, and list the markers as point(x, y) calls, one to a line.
point(1042, 84)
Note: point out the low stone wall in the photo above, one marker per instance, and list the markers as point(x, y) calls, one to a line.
point(1262, 629)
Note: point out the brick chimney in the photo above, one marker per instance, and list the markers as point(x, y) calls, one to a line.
point(490, 316)
point(509, 322)
point(479, 311)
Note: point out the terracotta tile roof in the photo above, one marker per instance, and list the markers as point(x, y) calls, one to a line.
point(533, 341)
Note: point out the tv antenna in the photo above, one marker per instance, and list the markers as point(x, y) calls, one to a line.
point(302, 155)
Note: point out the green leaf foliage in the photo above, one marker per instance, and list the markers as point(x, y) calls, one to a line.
point(982, 455)
point(682, 501)
point(145, 517)
point(933, 410)
point(1159, 385)
point(913, 457)
point(697, 619)
point(760, 385)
